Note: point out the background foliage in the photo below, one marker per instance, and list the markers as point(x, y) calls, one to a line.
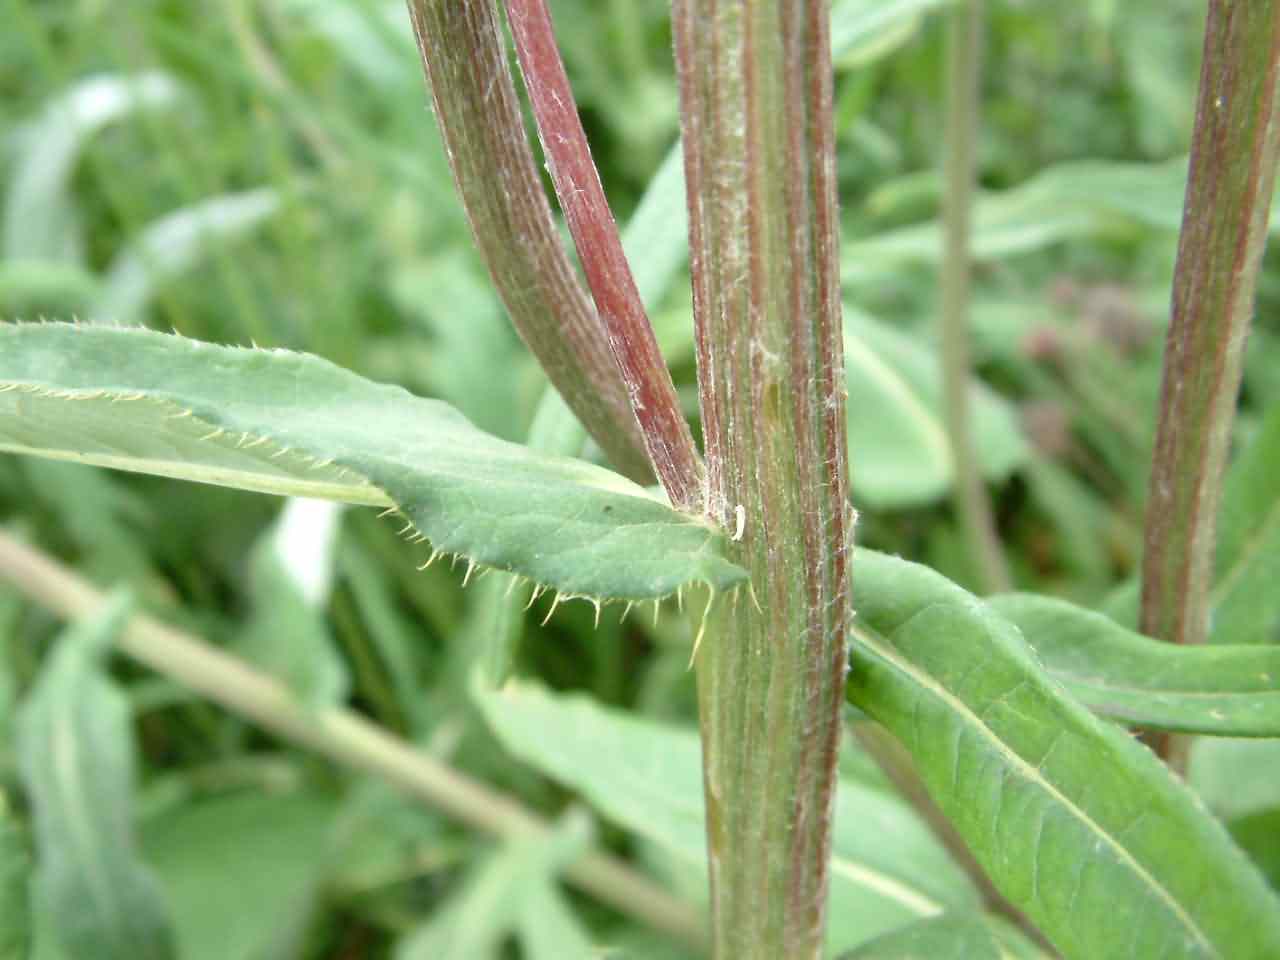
point(268, 171)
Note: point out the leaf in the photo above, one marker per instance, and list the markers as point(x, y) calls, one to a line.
point(235, 868)
point(549, 930)
point(954, 936)
point(1076, 823)
point(1065, 201)
point(75, 754)
point(291, 572)
point(1246, 603)
point(896, 420)
point(865, 30)
point(656, 239)
point(175, 243)
point(491, 902)
point(39, 212)
point(15, 876)
point(285, 423)
point(1219, 690)
point(1236, 778)
point(886, 868)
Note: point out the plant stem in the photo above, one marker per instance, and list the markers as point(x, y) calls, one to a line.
point(667, 438)
point(342, 736)
point(964, 71)
point(755, 86)
point(1224, 230)
point(493, 166)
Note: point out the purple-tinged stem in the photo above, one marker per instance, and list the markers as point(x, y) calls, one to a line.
point(755, 87)
point(479, 115)
point(1224, 230)
point(1232, 175)
point(635, 348)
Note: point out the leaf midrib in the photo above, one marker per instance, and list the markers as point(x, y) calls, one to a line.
point(1034, 776)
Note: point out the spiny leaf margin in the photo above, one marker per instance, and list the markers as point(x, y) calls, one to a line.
point(283, 422)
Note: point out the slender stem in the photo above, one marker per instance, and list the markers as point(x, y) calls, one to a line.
point(341, 735)
point(755, 86)
point(635, 348)
point(964, 69)
point(1224, 227)
point(1224, 230)
point(479, 116)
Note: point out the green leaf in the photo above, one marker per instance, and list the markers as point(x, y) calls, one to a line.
point(886, 870)
point(896, 420)
point(865, 30)
point(549, 930)
point(75, 753)
point(238, 868)
point(491, 902)
point(949, 937)
point(286, 423)
point(1076, 823)
point(40, 219)
point(1062, 202)
point(174, 243)
point(1236, 778)
point(1246, 603)
point(291, 572)
point(15, 877)
point(1224, 691)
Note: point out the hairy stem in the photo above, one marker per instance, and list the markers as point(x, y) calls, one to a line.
point(342, 736)
point(755, 86)
point(635, 348)
point(479, 116)
point(1224, 228)
point(964, 70)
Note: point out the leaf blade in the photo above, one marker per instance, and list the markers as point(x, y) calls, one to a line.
point(291, 423)
point(1030, 779)
point(1228, 691)
point(74, 746)
point(886, 870)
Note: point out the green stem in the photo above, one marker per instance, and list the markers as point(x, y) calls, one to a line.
point(501, 188)
point(755, 86)
point(1224, 230)
point(341, 735)
point(964, 71)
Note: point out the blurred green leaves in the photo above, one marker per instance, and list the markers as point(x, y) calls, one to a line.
point(15, 880)
point(75, 750)
point(886, 870)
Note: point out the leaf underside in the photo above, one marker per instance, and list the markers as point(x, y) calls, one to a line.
point(294, 424)
point(1068, 814)
point(1228, 691)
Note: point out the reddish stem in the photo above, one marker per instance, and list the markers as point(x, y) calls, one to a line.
point(635, 348)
